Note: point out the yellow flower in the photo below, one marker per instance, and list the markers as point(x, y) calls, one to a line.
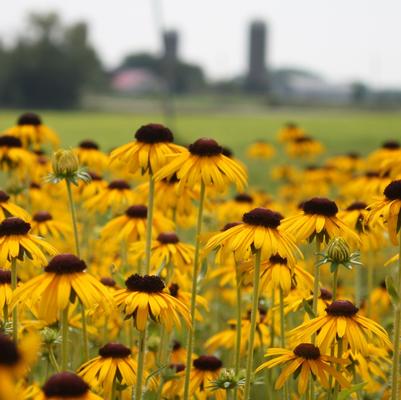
point(89, 155)
point(318, 219)
point(388, 209)
point(204, 162)
point(114, 363)
point(308, 361)
point(289, 132)
point(66, 386)
point(16, 242)
point(5, 289)
point(146, 297)
point(260, 230)
point(13, 157)
point(43, 224)
point(342, 321)
point(260, 150)
point(64, 277)
point(9, 209)
point(31, 131)
point(149, 152)
point(304, 147)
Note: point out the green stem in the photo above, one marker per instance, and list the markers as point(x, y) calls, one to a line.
point(254, 314)
point(14, 287)
point(149, 223)
point(272, 331)
point(64, 338)
point(339, 355)
point(52, 359)
point(5, 313)
point(358, 285)
point(282, 335)
point(73, 218)
point(397, 325)
point(238, 326)
point(84, 333)
point(335, 283)
point(195, 273)
point(141, 364)
point(370, 287)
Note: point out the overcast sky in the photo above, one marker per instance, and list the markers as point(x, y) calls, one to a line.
point(342, 39)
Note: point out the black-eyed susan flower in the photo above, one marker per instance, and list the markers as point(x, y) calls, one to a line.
point(260, 150)
point(185, 297)
point(17, 243)
point(303, 362)
point(319, 219)
point(204, 162)
point(114, 364)
point(90, 189)
point(233, 210)
point(33, 132)
point(63, 277)
point(205, 370)
point(150, 151)
point(115, 197)
point(131, 226)
point(342, 321)
point(389, 150)
point(89, 155)
point(146, 297)
point(260, 230)
point(304, 147)
point(9, 209)
point(66, 386)
point(388, 209)
point(13, 157)
point(290, 131)
point(44, 225)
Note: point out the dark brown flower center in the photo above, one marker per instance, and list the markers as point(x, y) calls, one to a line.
point(341, 308)
point(326, 294)
point(307, 351)
point(358, 205)
point(114, 350)
point(207, 363)
point(14, 226)
point(391, 145)
point(276, 259)
point(9, 354)
point(243, 198)
point(119, 184)
point(303, 139)
point(42, 216)
point(34, 185)
point(89, 145)
point(262, 217)
point(106, 281)
point(94, 176)
point(205, 147)
point(65, 385)
point(4, 197)
point(5, 276)
point(29, 119)
point(174, 288)
point(176, 345)
point(65, 264)
point(393, 190)
point(168, 237)
point(146, 283)
point(177, 367)
point(320, 206)
point(10, 141)
point(230, 225)
point(227, 152)
point(353, 155)
point(154, 133)
point(139, 211)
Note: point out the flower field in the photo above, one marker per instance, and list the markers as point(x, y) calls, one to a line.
point(224, 257)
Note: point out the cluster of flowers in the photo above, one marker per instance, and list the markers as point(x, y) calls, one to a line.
point(96, 285)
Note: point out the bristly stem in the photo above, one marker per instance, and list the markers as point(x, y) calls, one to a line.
point(52, 359)
point(141, 364)
point(254, 314)
point(149, 223)
point(64, 338)
point(195, 273)
point(13, 287)
point(78, 251)
point(397, 325)
point(238, 325)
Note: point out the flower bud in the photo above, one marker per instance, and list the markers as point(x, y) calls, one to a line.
point(338, 250)
point(65, 163)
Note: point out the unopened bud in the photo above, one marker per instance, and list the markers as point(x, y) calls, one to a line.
point(338, 250)
point(65, 163)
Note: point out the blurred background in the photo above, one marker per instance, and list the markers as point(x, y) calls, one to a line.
point(334, 67)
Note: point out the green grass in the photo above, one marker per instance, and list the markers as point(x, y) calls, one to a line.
point(340, 131)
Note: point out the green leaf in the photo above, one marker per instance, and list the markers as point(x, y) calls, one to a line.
point(345, 394)
point(392, 291)
point(308, 309)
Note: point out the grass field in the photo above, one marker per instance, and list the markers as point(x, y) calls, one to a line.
point(340, 131)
